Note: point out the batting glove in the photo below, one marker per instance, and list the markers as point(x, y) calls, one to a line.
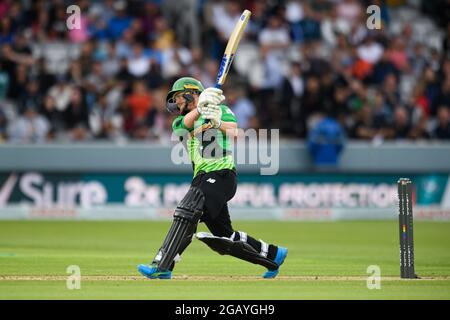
point(212, 96)
point(213, 113)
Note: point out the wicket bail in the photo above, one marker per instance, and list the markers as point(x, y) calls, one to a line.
point(405, 219)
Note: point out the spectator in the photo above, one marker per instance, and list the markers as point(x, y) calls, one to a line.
point(432, 89)
point(274, 40)
point(339, 107)
point(120, 21)
point(224, 16)
point(139, 102)
point(382, 115)
point(19, 53)
point(383, 68)
point(6, 32)
point(163, 36)
point(175, 60)
point(104, 121)
point(18, 82)
point(124, 45)
point(363, 127)
point(138, 63)
point(290, 93)
point(434, 59)
point(104, 11)
point(310, 25)
point(402, 124)
point(242, 107)
point(294, 15)
point(30, 127)
point(111, 62)
point(420, 131)
point(95, 81)
point(397, 54)
point(57, 20)
point(312, 99)
point(390, 91)
point(148, 20)
point(358, 32)
point(75, 116)
point(75, 73)
point(341, 56)
point(183, 12)
point(154, 77)
point(442, 130)
point(326, 141)
point(370, 51)
point(30, 97)
point(332, 26)
point(114, 93)
point(53, 116)
point(417, 59)
point(443, 96)
point(419, 102)
point(43, 76)
point(349, 10)
point(61, 93)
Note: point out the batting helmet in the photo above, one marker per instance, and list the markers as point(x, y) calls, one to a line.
point(183, 84)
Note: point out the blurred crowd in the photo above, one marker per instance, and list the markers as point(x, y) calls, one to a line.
point(299, 61)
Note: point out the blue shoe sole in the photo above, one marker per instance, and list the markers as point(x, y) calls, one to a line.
point(153, 273)
point(279, 259)
point(271, 274)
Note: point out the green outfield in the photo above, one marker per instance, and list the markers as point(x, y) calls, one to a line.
point(326, 260)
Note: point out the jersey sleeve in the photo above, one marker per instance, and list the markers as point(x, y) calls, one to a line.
point(227, 114)
point(178, 126)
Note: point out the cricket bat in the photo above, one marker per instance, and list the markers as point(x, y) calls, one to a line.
point(231, 48)
point(227, 58)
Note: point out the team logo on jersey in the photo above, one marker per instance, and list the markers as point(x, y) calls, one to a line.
point(211, 180)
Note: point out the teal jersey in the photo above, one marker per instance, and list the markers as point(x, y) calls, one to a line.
point(208, 148)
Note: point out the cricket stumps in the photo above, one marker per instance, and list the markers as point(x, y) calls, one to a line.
point(405, 220)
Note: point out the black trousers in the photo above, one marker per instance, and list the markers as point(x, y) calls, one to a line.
point(219, 187)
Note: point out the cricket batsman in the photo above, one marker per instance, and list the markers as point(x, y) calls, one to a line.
point(205, 126)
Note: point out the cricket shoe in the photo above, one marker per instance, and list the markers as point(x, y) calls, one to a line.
point(279, 259)
point(152, 272)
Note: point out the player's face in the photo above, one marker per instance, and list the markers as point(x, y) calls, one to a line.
point(182, 103)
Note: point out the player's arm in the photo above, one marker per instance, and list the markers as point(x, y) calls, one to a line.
point(228, 122)
point(190, 118)
point(178, 126)
point(229, 128)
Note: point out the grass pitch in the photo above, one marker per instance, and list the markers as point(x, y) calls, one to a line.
point(326, 260)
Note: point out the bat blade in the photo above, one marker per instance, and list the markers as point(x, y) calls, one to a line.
point(232, 45)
